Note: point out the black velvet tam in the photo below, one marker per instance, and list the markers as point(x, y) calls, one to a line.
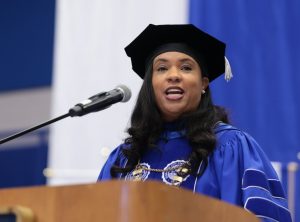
point(205, 48)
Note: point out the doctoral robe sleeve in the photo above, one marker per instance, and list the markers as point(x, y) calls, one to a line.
point(114, 158)
point(247, 178)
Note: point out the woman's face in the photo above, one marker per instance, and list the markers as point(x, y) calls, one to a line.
point(177, 82)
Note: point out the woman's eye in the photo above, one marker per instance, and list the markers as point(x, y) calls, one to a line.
point(186, 68)
point(162, 69)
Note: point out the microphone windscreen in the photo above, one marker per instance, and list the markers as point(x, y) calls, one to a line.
point(126, 92)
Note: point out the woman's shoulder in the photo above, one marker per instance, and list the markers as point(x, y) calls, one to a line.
point(226, 132)
point(117, 152)
point(236, 145)
point(116, 157)
point(228, 135)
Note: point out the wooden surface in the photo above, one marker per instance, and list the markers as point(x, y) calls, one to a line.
point(121, 201)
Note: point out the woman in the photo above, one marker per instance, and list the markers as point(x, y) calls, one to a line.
point(178, 136)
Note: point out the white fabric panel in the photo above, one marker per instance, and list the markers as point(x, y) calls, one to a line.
point(90, 58)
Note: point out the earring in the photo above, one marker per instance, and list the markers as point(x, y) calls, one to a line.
point(203, 91)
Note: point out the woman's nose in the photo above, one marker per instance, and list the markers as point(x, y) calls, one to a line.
point(174, 76)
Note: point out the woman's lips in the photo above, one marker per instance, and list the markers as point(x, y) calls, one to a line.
point(174, 93)
point(174, 96)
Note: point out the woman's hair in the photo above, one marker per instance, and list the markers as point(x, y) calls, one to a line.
point(147, 126)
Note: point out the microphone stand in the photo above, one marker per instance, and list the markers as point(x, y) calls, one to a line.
point(95, 103)
point(33, 128)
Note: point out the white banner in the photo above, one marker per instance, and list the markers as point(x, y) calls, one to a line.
point(90, 58)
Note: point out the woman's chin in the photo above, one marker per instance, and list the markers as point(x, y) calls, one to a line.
point(172, 116)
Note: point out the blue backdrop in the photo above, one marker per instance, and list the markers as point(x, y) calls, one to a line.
point(263, 47)
point(26, 43)
point(26, 51)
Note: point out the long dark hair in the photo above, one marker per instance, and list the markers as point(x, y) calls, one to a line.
point(147, 125)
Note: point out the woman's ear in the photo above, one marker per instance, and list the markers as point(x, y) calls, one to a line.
point(205, 83)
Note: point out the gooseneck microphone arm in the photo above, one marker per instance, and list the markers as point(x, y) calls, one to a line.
point(95, 103)
point(33, 128)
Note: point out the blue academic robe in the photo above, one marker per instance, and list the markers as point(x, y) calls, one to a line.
point(238, 171)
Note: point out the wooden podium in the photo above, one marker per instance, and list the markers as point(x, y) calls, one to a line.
point(120, 201)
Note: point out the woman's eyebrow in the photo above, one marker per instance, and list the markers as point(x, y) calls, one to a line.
point(160, 60)
point(166, 60)
point(187, 60)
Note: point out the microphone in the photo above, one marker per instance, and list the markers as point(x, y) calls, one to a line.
point(96, 103)
point(101, 101)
